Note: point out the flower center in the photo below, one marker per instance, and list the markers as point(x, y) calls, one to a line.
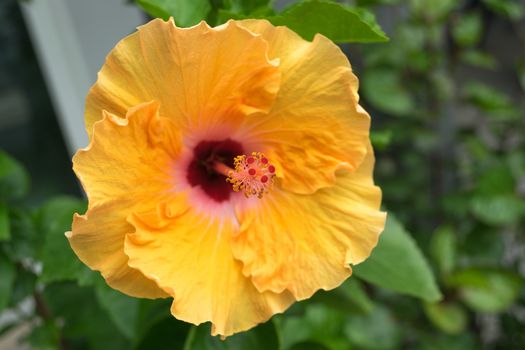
point(253, 174)
point(202, 168)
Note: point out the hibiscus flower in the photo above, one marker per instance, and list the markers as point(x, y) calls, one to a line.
point(229, 168)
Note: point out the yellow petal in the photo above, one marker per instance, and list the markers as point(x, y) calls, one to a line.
point(98, 239)
point(190, 257)
point(125, 154)
point(315, 125)
point(199, 74)
point(126, 168)
point(302, 243)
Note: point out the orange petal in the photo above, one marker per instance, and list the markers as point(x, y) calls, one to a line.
point(315, 125)
point(123, 156)
point(190, 257)
point(302, 243)
point(198, 74)
point(98, 239)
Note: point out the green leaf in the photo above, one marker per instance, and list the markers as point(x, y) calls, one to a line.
point(450, 318)
point(479, 59)
point(45, 336)
point(308, 345)
point(377, 330)
point(262, 337)
point(434, 10)
point(223, 16)
point(477, 148)
point(497, 179)
point(82, 317)
point(487, 290)
point(154, 322)
point(186, 13)
point(121, 309)
point(497, 210)
point(387, 54)
point(516, 163)
point(349, 297)
point(494, 201)
point(319, 324)
point(54, 219)
point(87, 277)
point(483, 246)
point(247, 7)
point(166, 334)
point(7, 278)
point(337, 22)
point(464, 341)
point(497, 104)
point(377, 2)
point(156, 9)
point(25, 240)
point(381, 139)
point(521, 74)
point(398, 264)
point(383, 88)
point(443, 249)
point(443, 85)
point(5, 227)
point(513, 9)
point(468, 29)
point(23, 287)
point(512, 325)
point(455, 205)
point(14, 180)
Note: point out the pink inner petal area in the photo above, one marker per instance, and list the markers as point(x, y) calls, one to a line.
point(209, 193)
point(201, 170)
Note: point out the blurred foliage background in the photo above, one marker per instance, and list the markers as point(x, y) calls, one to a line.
point(447, 97)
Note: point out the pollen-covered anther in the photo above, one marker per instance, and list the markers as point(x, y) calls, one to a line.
point(253, 174)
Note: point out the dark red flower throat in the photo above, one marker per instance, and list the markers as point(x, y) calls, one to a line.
point(201, 170)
